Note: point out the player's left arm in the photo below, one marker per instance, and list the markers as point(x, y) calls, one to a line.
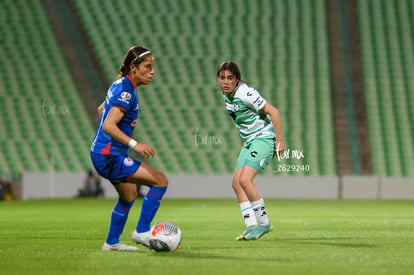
point(277, 125)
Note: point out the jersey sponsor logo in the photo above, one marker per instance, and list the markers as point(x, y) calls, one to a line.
point(258, 101)
point(133, 123)
point(128, 161)
point(125, 97)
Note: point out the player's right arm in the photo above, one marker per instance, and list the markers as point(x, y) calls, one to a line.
point(110, 126)
point(100, 108)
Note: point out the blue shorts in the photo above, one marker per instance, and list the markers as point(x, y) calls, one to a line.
point(116, 169)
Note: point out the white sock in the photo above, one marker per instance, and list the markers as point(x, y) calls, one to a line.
point(260, 212)
point(248, 214)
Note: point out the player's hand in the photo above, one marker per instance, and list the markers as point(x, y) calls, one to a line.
point(279, 147)
point(144, 150)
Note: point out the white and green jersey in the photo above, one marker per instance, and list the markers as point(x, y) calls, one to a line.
point(244, 107)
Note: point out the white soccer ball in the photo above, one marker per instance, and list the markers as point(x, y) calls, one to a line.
point(165, 236)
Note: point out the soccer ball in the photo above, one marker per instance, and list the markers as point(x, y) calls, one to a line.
point(165, 236)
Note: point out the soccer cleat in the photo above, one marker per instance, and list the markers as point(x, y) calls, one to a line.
point(243, 235)
point(258, 232)
point(118, 247)
point(141, 238)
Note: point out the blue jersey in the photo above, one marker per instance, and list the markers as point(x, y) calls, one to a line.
point(122, 94)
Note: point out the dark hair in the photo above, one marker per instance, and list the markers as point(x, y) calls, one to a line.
point(232, 67)
point(135, 55)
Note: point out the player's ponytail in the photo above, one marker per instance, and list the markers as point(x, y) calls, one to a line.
point(123, 70)
point(135, 55)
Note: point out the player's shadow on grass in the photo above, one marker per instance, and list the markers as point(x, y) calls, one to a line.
point(331, 242)
point(198, 255)
point(193, 255)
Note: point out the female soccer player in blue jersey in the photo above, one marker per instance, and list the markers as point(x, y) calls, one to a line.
point(258, 123)
point(109, 150)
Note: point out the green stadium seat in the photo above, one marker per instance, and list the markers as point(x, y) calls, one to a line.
point(270, 47)
point(27, 30)
point(384, 27)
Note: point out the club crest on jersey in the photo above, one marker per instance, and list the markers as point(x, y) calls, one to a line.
point(125, 97)
point(236, 106)
point(128, 161)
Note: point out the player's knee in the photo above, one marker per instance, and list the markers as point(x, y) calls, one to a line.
point(129, 200)
point(129, 197)
point(245, 182)
point(235, 184)
point(162, 179)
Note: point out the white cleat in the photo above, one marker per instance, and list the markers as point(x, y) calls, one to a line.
point(141, 238)
point(118, 247)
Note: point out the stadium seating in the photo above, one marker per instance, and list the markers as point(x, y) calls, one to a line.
point(280, 46)
point(43, 121)
point(387, 49)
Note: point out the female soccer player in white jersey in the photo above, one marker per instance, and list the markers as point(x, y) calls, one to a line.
point(109, 150)
point(258, 123)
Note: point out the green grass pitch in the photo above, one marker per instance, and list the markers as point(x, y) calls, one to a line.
point(310, 237)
